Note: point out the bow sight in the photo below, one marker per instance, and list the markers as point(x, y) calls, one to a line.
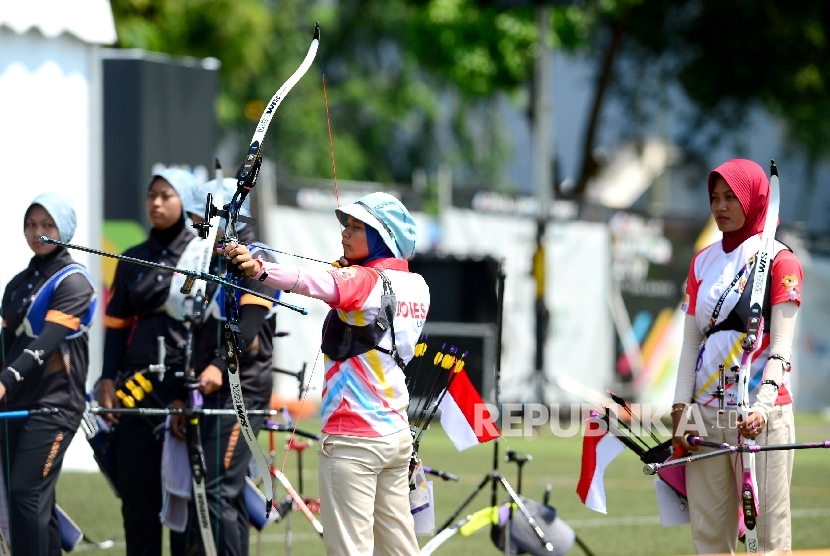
point(203, 228)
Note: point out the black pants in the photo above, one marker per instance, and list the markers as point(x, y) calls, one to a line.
point(226, 464)
point(32, 455)
point(138, 464)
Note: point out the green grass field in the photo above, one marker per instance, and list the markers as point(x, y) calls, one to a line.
point(630, 527)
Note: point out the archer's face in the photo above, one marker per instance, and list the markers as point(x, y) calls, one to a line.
point(39, 223)
point(726, 208)
point(355, 244)
point(164, 208)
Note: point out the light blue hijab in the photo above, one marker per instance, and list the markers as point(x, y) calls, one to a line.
point(60, 208)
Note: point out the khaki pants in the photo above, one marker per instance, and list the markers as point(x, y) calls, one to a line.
point(364, 495)
point(712, 485)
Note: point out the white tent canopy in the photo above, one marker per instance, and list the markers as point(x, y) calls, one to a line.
point(51, 126)
point(90, 21)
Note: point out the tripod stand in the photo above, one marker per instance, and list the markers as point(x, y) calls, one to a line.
point(494, 477)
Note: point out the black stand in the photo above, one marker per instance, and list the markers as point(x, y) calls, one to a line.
point(495, 477)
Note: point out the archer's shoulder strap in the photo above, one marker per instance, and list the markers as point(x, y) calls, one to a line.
point(736, 319)
point(386, 316)
point(342, 340)
point(32, 324)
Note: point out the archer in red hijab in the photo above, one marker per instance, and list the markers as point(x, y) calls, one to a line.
point(750, 184)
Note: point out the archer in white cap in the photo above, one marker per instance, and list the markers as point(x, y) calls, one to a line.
point(378, 309)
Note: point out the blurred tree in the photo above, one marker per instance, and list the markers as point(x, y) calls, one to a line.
point(384, 98)
point(728, 57)
point(398, 70)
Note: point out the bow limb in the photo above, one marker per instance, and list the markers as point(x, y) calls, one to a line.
point(247, 178)
point(231, 336)
point(196, 453)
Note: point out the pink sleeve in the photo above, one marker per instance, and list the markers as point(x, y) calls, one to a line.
point(354, 283)
point(787, 278)
point(316, 283)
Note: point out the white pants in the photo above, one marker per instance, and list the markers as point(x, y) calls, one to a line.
point(364, 495)
point(712, 485)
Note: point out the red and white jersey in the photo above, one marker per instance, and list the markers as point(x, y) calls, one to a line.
point(366, 395)
point(710, 274)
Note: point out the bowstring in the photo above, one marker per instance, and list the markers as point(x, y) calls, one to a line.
point(337, 199)
point(331, 139)
point(264, 248)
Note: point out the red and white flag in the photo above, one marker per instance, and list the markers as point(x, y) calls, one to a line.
point(464, 415)
point(599, 448)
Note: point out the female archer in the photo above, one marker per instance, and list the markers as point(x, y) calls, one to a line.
point(226, 454)
point(141, 308)
point(717, 303)
point(366, 445)
point(47, 310)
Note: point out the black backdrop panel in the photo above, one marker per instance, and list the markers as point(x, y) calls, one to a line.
point(158, 109)
point(477, 339)
point(461, 289)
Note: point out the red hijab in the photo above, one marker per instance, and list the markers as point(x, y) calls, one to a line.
point(749, 183)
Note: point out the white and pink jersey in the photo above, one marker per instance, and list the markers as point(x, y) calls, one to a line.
point(710, 274)
point(366, 394)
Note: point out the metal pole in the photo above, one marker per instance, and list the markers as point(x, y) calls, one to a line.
point(543, 183)
point(495, 475)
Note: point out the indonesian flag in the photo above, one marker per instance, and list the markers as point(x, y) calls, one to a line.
point(599, 448)
point(464, 415)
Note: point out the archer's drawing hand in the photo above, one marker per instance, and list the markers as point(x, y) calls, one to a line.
point(108, 399)
point(242, 259)
point(210, 379)
point(2, 391)
point(753, 425)
point(178, 422)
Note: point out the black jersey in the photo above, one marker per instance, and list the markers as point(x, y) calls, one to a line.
point(256, 361)
point(136, 303)
point(60, 381)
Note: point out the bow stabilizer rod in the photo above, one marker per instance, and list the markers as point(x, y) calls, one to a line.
point(162, 411)
point(725, 449)
point(26, 413)
point(191, 273)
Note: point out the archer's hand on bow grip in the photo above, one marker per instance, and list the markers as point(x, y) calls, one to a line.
point(240, 260)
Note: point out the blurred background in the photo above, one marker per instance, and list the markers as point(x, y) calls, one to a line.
point(569, 141)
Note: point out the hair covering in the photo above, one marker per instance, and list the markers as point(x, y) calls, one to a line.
point(750, 184)
point(388, 217)
point(195, 204)
point(60, 208)
point(182, 181)
point(377, 248)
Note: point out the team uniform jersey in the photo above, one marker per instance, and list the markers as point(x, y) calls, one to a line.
point(61, 380)
point(137, 303)
point(710, 274)
point(366, 394)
